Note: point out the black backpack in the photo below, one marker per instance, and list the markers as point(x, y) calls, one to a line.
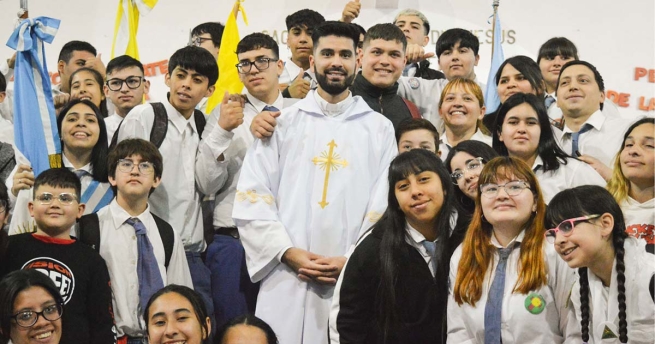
point(160, 125)
point(90, 234)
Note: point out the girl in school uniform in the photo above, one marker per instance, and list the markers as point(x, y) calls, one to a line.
point(392, 288)
point(633, 181)
point(613, 301)
point(523, 130)
point(84, 151)
point(506, 284)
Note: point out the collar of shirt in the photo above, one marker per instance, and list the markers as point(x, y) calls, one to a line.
point(414, 238)
point(477, 136)
point(596, 120)
point(119, 215)
point(179, 122)
point(550, 94)
point(538, 163)
point(362, 86)
point(260, 105)
point(66, 163)
point(518, 238)
point(333, 110)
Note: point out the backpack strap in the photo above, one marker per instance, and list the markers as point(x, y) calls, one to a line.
point(90, 231)
point(201, 121)
point(413, 110)
point(114, 138)
point(167, 238)
point(159, 125)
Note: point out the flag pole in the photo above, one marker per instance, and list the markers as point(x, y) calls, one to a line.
point(23, 9)
point(493, 27)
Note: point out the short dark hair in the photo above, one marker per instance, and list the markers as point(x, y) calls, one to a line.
point(361, 29)
point(197, 59)
point(387, 32)
point(100, 80)
point(528, 68)
point(465, 38)
point(59, 178)
point(561, 46)
point(191, 295)
point(214, 29)
point(258, 40)
point(67, 50)
point(412, 124)
point(122, 62)
point(13, 284)
point(304, 19)
point(250, 320)
point(3, 83)
point(597, 76)
point(335, 28)
point(101, 149)
point(126, 148)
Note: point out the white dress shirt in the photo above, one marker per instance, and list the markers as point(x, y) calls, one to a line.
point(602, 142)
point(445, 146)
point(111, 123)
point(291, 72)
point(518, 324)
point(119, 249)
point(186, 171)
point(574, 173)
point(233, 146)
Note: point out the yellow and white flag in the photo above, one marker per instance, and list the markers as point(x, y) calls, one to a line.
point(228, 77)
point(127, 24)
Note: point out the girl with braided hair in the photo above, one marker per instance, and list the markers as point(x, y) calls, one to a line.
point(613, 302)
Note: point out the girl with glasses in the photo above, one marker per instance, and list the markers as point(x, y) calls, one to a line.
point(506, 284)
point(613, 301)
point(30, 308)
point(523, 130)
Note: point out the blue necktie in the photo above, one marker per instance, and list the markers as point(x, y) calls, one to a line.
point(575, 138)
point(549, 101)
point(147, 268)
point(431, 247)
point(494, 307)
point(81, 173)
point(270, 108)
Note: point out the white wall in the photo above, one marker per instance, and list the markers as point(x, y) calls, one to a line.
point(617, 37)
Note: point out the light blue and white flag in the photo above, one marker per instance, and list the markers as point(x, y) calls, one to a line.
point(491, 99)
point(35, 126)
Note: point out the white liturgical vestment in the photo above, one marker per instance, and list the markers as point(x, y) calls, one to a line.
point(317, 184)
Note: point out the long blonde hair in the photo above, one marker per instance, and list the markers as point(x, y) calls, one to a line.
point(477, 250)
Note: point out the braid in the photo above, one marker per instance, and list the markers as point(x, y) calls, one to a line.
point(620, 279)
point(584, 304)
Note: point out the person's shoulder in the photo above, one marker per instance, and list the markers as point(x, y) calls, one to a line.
point(19, 238)
point(140, 111)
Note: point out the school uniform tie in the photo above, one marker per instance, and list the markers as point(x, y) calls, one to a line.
point(431, 247)
point(270, 108)
point(81, 173)
point(575, 138)
point(549, 101)
point(147, 268)
point(494, 307)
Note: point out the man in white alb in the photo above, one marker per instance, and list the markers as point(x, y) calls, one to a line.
point(308, 192)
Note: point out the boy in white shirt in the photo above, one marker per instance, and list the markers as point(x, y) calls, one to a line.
point(135, 171)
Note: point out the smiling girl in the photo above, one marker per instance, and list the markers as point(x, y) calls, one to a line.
point(177, 314)
point(87, 83)
point(613, 301)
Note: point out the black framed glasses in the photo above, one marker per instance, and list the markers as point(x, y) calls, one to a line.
point(472, 165)
point(512, 188)
point(29, 318)
point(64, 198)
point(566, 227)
point(261, 63)
point(197, 41)
point(126, 166)
point(132, 83)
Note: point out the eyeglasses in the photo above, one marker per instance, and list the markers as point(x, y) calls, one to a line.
point(471, 166)
point(261, 63)
point(197, 41)
point(132, 83)
point(126, 166)
point(566, 227)
point(512, 188)
point(29, 318)
point(64, 198)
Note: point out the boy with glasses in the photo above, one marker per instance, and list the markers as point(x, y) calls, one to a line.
point(76, 269)
point(125, 87)
point(131, 237)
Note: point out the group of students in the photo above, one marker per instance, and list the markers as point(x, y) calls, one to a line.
point(313, 221)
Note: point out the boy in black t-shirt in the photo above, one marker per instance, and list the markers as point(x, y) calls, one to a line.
point(77, 270)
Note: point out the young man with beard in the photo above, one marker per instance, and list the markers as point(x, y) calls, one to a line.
point(307, 193)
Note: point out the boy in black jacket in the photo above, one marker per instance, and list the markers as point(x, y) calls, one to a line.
point(78, 270)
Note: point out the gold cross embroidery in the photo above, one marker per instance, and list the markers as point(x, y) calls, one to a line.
point(328, 161)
